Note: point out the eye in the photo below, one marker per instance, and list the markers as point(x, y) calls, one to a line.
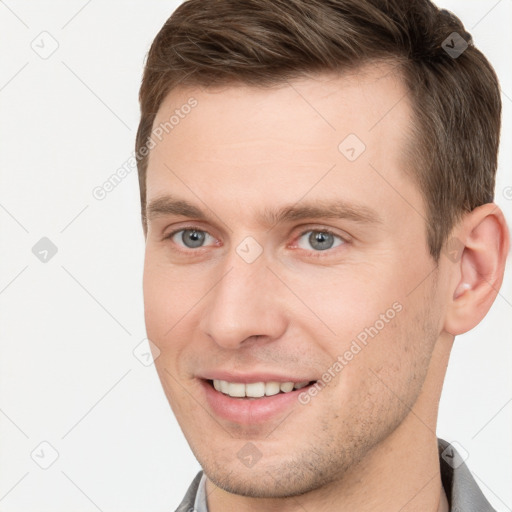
point(190, 238)
point(319, 240)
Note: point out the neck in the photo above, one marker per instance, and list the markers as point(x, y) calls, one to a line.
point(400, 473)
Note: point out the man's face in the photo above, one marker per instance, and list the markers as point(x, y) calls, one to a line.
point(296, 252)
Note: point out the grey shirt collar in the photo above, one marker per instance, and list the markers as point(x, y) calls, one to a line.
point(200, 504)
point(461, 489)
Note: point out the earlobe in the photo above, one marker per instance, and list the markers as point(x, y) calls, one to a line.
point(478, 274)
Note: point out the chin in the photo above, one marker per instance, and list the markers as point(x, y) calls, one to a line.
point(267, 480)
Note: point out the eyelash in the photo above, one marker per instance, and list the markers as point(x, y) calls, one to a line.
point(316, 254)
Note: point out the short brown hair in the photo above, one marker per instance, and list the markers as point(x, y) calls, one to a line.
point(456, 98)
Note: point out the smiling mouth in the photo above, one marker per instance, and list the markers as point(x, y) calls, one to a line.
point(256, 389)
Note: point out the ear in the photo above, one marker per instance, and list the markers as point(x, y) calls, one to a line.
point(483, 241)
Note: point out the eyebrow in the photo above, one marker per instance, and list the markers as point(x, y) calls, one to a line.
point(321, 209)
point(169, 205)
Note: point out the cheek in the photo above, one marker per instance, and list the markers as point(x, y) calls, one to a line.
point(169, 293)
point(172, 306)
point(374, 322)
point(347, 299)
point(156, 296)
point(394, 362)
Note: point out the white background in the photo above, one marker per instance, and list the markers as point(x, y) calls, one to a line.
point(68, 374)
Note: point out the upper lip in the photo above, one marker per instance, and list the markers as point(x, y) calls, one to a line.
point(247, 378)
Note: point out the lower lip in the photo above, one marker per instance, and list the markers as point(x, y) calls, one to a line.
point(249, 411)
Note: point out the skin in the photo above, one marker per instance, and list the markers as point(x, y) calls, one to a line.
point(367, 440)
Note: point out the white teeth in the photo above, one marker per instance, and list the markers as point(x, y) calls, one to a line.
point(256, 389)
point(286, 387)
point(236, 389)
point(272, 388)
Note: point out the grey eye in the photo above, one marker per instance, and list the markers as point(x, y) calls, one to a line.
point(319, 240)
point(191, 238)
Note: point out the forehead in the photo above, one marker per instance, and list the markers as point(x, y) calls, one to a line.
point(325, 136)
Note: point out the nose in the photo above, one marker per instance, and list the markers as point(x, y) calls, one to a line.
point(246, 303)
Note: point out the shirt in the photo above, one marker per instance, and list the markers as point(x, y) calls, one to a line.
point(460, 487)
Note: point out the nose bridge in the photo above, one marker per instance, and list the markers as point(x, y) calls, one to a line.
point(243, 303)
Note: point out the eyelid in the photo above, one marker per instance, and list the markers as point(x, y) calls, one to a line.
point(303, 230)
point(322, 229)
point(190, 227)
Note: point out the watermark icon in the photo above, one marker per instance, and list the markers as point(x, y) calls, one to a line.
point(453, 249)
point(249, 455)
point(357, 344)
point(507, 193)
point(454, 45)
point(44, 455)
point(146, 352)
point(455, 454)
point(249, 249)
point(45, 45)
point(351, 147)
point(100, 192)
point(44, 250)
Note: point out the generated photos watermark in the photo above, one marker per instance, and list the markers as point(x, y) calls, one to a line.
point(100, 192)
point(356, 346)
